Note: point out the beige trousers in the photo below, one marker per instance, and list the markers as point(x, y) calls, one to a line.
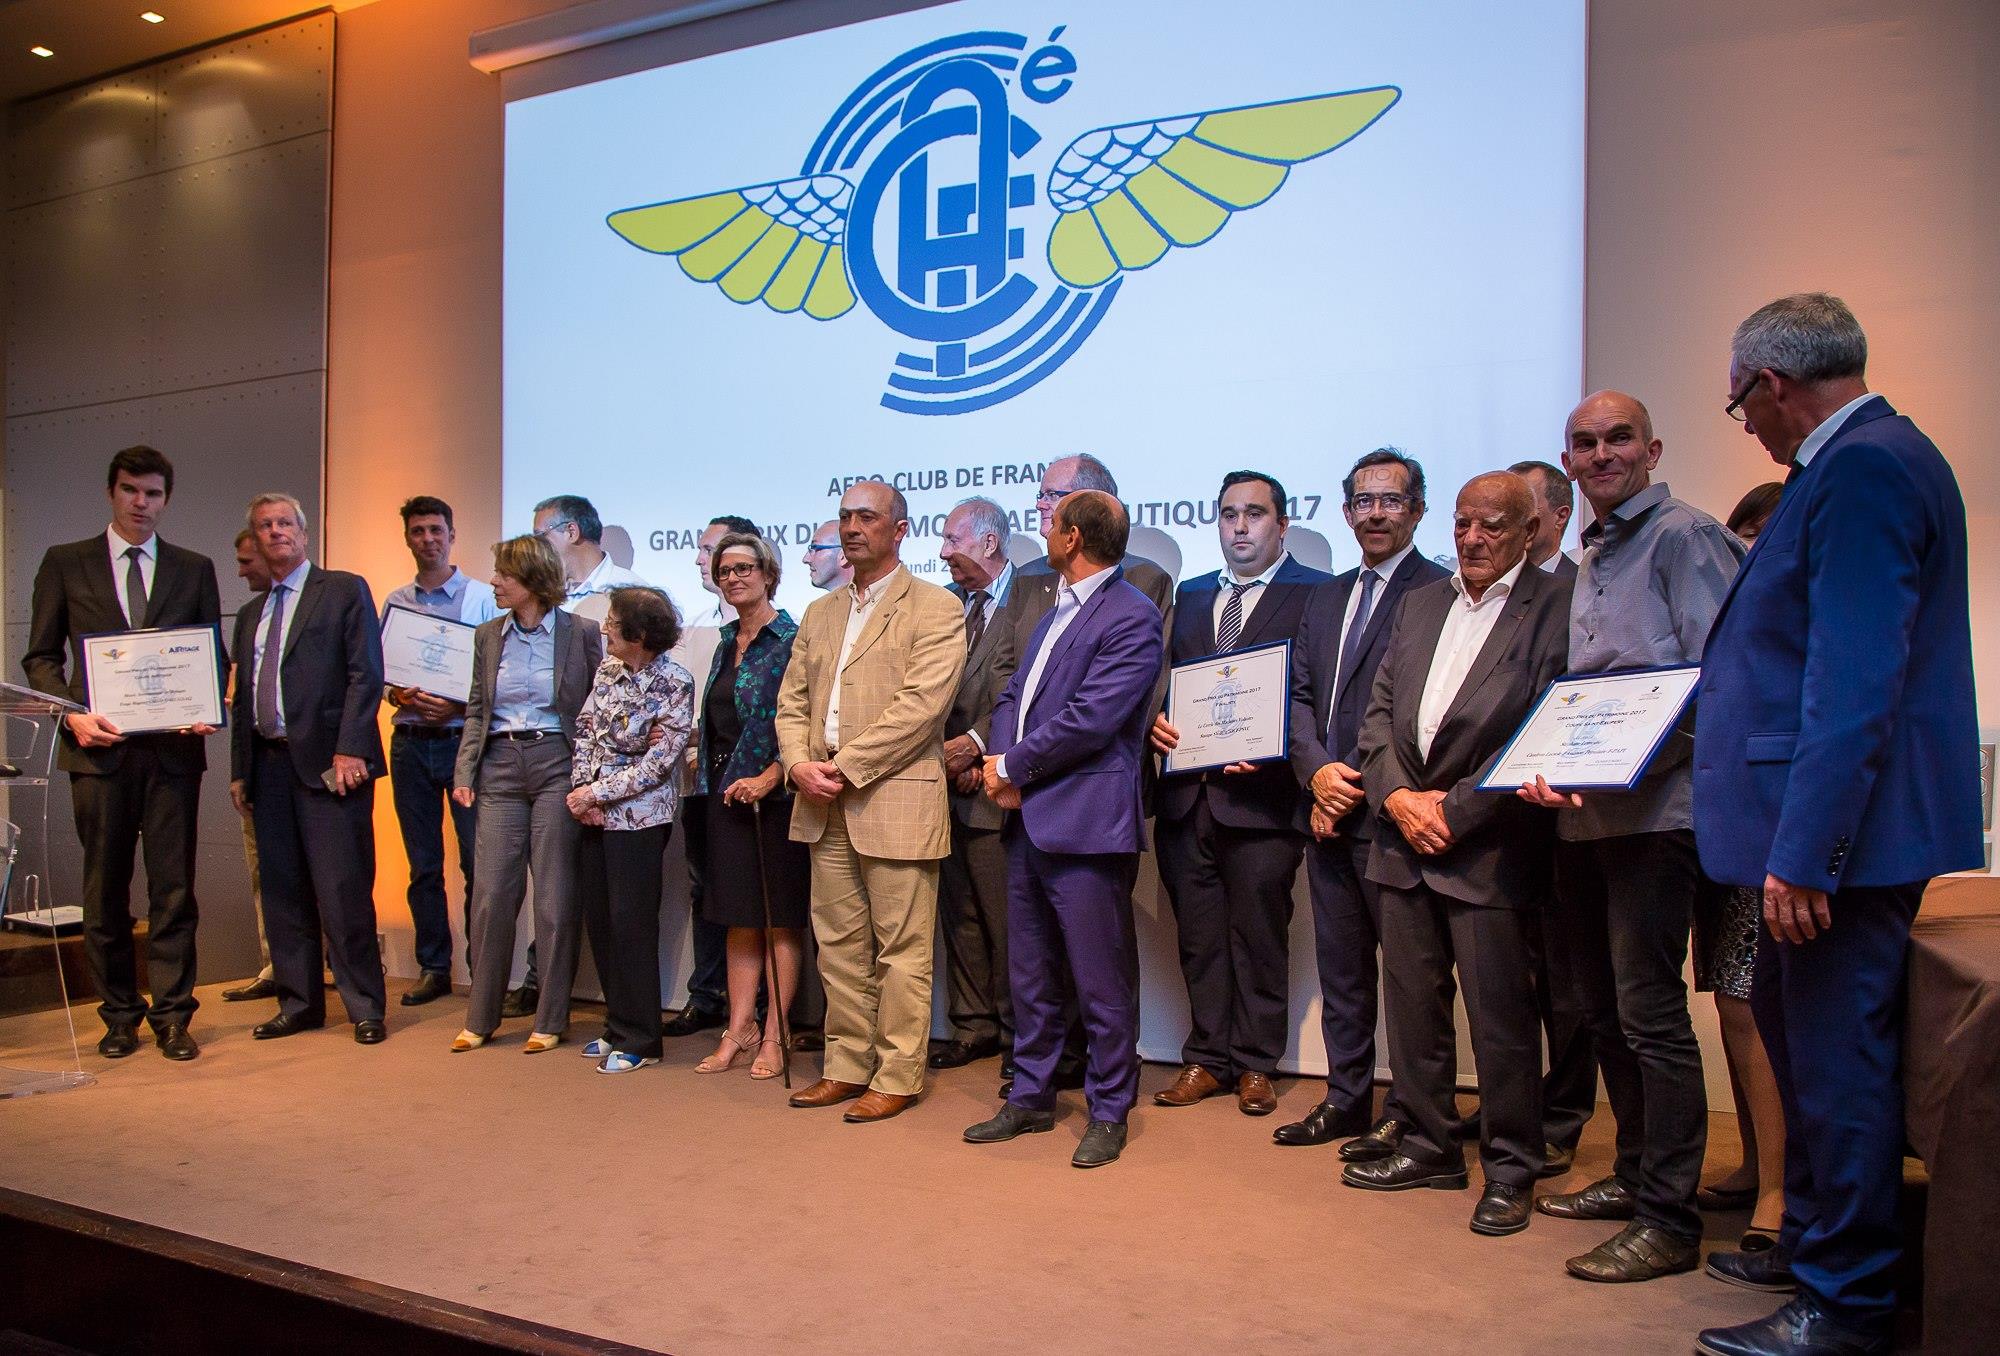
point(876, 924)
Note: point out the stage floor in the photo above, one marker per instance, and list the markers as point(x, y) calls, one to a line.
point(702, 1215)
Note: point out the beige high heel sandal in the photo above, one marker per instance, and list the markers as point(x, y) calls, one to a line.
point(760, 1070)
point(466, 1040)
point(540, 1041)
point(714, 1065)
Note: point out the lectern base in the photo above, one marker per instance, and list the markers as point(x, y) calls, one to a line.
point(28, 1082)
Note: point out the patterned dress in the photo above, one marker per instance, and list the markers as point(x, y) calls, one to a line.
point(631, 777)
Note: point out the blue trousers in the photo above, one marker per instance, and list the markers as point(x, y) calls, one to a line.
point(420, 774)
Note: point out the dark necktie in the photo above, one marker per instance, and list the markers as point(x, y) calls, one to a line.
point(1232, 618)
point(975, 618)
point(1350, 648)
point(268, 660)
point(135, 587)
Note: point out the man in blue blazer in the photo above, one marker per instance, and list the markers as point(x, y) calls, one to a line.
point(1834, 770)
point(1227, 846)
point(1067, 741)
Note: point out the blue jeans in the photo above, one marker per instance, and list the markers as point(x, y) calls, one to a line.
point(420, 775)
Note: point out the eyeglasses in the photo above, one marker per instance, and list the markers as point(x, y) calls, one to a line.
point(1046, 496)
point(1364, 504)
point(1734, 409)
point(556, 526)
point(740, 570)
point(822, 546)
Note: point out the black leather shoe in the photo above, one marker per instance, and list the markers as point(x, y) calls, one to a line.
point(1602, 1199)
point(118, 1042)
point(1324, 1124)
point(175, 1042)
point(1009, 1122)
point(958, 1054)
point(283, 1025)
point(690, 1021)
point(1555, 1161)
point(370, 1033)
point(1768, 1269)
point(255, 989)
point(1801, 1328)
point(1102, 1142)
point(430, 987)
point(1637, 1252)
point(521, 1002)
point(1502, 1209)
point(1383, 1139)
point(1400, 1172)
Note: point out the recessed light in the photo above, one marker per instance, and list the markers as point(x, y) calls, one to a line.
point(41, 51)
point(153, 17)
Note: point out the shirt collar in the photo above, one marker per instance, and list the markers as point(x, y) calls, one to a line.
point(1083, 588)
point(1823, 435)
point(1499, 588)
point(296, 580)
point(1645, 500)
point(452, 588)
point(1224, 578)
point(874, 591)
point(149, 548)
point(997, 590)
point(544, 627)
point(1389, 566)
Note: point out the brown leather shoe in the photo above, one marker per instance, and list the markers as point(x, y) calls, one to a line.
point(1193, 1084)
point(828, 1092)
point(877, 1106)
point(1255, 1096)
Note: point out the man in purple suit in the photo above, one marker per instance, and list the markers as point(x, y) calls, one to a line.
point(1068, 741)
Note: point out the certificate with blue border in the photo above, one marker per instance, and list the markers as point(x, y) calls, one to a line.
point(160, 679)
point(1595, 732)
point(1231, 708)
point(425, 651)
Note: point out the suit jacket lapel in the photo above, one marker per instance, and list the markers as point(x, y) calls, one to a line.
point(1075, 629)
point(1202, 600)
point(1268, 602)
point(1392, 589)
point(97, 570)
point(1497, 640)
point(301, 609)
point(166, 575)
point(1425, 628)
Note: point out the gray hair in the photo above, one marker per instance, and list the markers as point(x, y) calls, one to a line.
point(1810, 337)
point(1555, 485)
point(1413, 470)
point(1092, 474)
point(268, 498)
point(982, 515)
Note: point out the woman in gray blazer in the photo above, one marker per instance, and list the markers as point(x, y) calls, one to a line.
point(531, 671)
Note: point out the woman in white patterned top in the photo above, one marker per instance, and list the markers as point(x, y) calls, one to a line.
point(630, 738)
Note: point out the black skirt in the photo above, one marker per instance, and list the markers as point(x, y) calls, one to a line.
point(730, 896)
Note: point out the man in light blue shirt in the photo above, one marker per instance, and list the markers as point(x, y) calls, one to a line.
point(423, 743)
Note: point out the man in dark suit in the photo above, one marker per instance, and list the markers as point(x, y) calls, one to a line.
point(129, 790)
point(305, 750)
point(1457, 867)
point(1555, 502)
point(1227, 846)
point(1068, 738)
point(972, 887)
point(1341, 640)
point(1837, 692)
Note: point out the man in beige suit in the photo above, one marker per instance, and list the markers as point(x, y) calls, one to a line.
point(860, 735)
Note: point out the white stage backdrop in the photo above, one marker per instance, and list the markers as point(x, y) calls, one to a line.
point(946, 247)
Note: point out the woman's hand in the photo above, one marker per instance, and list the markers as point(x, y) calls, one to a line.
point(750, 790)
point(581, 802)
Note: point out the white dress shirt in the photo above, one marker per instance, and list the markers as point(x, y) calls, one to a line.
point(149, 551)
point(1070, 599)
point(1225, 580)
point(1823, 435)
point(292, 583)
point(864, 602)
point(1466, 627)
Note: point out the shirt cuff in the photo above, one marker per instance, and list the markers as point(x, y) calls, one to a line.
point(973, 735)
point(1001, 768)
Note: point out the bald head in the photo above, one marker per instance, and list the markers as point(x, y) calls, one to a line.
point(1609, 449)
point(1492, 525)
point(1088, 531)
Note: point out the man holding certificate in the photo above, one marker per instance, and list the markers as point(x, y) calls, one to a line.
point(1228, 851)
point(424, 732)
point(131, 789)
point(1654, 572)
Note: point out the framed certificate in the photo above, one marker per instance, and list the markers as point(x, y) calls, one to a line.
point(433, 653)
point(155, 680)
point(1231, 708)
point(1597, 732)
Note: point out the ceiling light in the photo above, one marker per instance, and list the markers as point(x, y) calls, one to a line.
point(41, 51)
point(153, 17)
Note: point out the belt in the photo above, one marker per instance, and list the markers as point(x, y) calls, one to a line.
point(526, 736)
point(426, 732)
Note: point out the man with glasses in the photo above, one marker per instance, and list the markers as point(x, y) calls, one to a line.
point(569, 523)
point(824, 561)
point(1340, 644)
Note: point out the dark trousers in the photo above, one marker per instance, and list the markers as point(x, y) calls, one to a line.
point(1624, 909)
point(1232, 895)
point(708, 980)
point(1831, 1013)
point(139, 805)
point(972, 907)
point(1424, 934)
point(1347, 932)
point(421, 767)
point(618, 876)
point(316, 857)
point(1072, 916)
point(1569, 1087)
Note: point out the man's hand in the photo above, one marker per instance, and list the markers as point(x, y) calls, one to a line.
point(1417, 814)
point(581, 802)
point(203, 728)
point(1165, 737)
point(462, 797)
point(93, 732)
point(1323, 823)
point(1539, 792)
point(1336, 788)
point(348, 773)
point(750, 790)
point(1795, 913)
point(821, 783)
point(961, 752)
point(433, 708)
point(969, 781)
point(239, 796)
point(1008, 797)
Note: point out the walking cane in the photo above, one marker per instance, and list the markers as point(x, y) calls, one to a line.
point(775, 998)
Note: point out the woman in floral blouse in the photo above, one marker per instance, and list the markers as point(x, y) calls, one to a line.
point(630, 738)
